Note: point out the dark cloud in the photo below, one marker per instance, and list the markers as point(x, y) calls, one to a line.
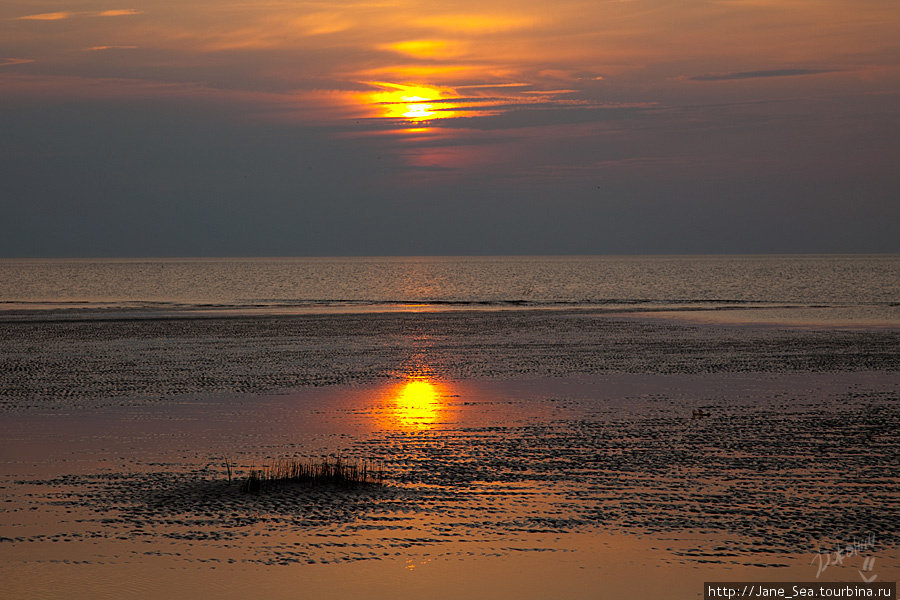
point(151, 179)
point(761, 74)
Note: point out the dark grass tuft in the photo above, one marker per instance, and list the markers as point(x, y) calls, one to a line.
point(323, 472)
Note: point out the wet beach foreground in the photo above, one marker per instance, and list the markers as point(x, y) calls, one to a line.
point(524, 455)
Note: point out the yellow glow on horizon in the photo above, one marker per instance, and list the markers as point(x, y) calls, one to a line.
point(411, 102)
point(418, 111)
point(421, 104)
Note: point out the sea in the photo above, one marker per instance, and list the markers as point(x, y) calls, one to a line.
point(856, 287)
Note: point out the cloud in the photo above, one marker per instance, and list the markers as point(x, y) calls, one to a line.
point(493, 85)
point(62, 88)
point(275, 31)
point(118, 12)
point(476, 23)
point(54, 16)
point(426, 48)
point(59, 16)
point(101, 48)
point(761, 74)
point(5, 62)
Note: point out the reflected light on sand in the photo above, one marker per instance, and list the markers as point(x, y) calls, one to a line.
point(416, 404)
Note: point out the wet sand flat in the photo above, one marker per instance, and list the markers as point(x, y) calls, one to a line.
point(618, 458)
point(76, 359)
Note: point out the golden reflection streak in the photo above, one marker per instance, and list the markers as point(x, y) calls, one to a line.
point(416, 404)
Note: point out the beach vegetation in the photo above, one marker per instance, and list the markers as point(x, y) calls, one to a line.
point(326, 471)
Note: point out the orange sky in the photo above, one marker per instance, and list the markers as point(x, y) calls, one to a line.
point(359, 56)
point(503, 88)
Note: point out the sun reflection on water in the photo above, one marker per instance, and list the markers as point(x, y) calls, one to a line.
point(416, 404)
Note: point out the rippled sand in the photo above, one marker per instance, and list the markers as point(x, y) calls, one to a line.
point(518, 468)
point(99, 361)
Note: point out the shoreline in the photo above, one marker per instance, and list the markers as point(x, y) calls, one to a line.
point(886, 315)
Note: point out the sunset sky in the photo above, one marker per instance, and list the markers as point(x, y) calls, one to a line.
point(245, 127)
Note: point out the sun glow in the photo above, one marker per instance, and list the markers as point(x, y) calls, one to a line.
point(423, 104)
point(410, 102)
point(418, 111)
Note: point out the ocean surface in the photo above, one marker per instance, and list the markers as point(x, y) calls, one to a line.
point(860, 286)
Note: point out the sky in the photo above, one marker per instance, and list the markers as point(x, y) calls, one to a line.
point(406, 127)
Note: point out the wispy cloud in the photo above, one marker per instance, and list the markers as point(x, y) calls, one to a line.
point(59, 16)
point(62, 88)
point(5, 62)
point(122, 12)
point(760, 74)
point(492, 85)
point(54, 16)
point(550, 92)
point(276, 31)
point(102, 48)
point(426, 48)
point(476, 23)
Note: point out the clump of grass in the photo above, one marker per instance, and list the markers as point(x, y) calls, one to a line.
point(323, 472)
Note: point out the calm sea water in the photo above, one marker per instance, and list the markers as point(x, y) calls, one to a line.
point(297, 285)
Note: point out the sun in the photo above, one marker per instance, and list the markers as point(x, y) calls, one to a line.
point(417, 109)
point(410, 102)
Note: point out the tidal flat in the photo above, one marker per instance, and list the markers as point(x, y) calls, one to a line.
point(525, 455)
